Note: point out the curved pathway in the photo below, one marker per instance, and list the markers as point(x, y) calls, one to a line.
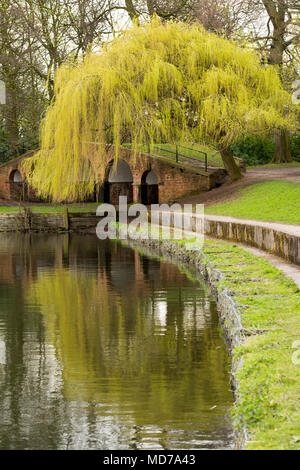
point(291, 270)
point(229, 191)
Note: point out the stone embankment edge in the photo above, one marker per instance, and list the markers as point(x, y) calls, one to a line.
point(228, 311)
point(276, 242)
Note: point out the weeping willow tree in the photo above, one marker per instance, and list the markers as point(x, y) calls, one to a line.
point(155, 83)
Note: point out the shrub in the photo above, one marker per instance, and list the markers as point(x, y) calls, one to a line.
point(255, 150)
point(295, 147)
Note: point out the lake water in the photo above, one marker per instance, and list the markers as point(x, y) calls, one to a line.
point(104, 348)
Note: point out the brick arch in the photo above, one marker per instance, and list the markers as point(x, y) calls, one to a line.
point(16, 176)
point(117, 182)
point(149, 177)
point(16, 185)
point(149, 188)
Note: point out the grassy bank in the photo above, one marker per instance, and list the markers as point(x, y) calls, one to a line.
point(268, 378)
point(269, 381)
point(272, 201)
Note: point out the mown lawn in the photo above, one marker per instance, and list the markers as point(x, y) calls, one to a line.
point(272, 201)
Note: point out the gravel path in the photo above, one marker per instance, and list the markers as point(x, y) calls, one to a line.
point(228, 191)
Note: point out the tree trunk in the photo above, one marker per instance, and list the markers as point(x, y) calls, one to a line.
point(279, 12)
point(230, 165)
point(282, 152)
point(11, 115)
point(131, 10)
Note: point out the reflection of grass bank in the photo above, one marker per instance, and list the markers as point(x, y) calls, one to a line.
point(268, 380)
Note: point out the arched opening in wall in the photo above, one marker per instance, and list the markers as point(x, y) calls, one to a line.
point(16, 186)
point(149, 188)
point(118, 183)
point(15, 177)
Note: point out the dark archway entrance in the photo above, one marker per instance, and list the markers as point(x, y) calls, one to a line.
point(16, 186)
point(118, 183)
point(149, 188)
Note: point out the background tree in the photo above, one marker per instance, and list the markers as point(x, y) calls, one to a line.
point(164, 9)
point(273, 27)
point(230, 18)
point(9, 72)
point(36, 37)
point(282, 43)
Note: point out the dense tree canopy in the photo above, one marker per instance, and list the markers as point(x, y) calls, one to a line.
point(159, 82)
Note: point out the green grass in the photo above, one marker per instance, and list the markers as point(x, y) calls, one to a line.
point(88, 207)
point(273, 201)
point(268, 303)
point(213, 156)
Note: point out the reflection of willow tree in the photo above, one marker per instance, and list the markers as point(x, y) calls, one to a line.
point(115, 349)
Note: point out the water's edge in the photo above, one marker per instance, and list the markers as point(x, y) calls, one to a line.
point(227, 309)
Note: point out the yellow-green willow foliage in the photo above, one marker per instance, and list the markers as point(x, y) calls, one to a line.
point(170, 82)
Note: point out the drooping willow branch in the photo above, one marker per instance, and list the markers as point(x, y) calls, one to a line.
point(158, 82)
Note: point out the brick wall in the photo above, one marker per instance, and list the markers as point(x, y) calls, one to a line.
point(15, 191)
point(174, 181)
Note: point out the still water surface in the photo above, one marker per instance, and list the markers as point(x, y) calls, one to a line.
point(102, 348)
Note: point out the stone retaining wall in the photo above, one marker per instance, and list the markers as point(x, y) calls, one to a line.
point(277, 242)
point(23, 221)
point(268, 239)
point(273, 241)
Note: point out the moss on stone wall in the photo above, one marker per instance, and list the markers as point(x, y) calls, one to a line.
point(266, 363)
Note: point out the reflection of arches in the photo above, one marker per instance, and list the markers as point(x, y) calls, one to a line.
point(149, 188)
point(118, 183)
